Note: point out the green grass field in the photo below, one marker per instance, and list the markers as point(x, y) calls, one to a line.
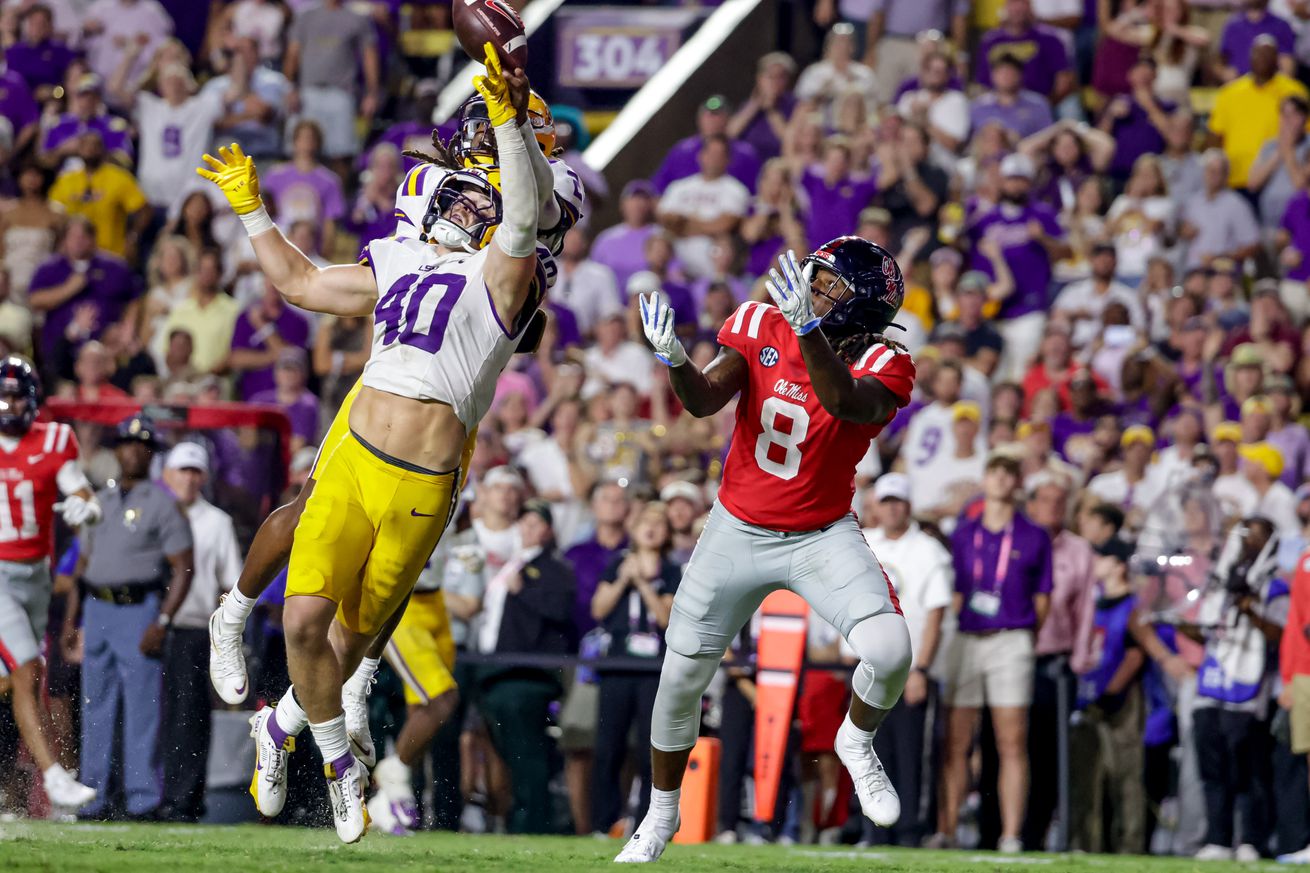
point(117, 848)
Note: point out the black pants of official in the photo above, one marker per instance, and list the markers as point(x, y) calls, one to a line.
point(1044, 747)
point(1291, 801)
point(737, 739)
point(625, 706)
point(900, 745)
point(1227, 744)
point(185, 738)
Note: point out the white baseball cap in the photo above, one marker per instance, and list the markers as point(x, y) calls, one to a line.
point(1017, 164)
point(892, 486)
point(681, 488)
point(503, 475)
point(187, 456)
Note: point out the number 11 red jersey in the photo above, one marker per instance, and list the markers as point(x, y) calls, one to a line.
point(791, 466)
point(28, 490)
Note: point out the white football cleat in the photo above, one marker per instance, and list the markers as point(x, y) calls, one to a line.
point(383, 818)
point(346, 780)
point(646, 844)
point(268, 785)
point(355, 705)
point(392, 780)
point(64, 791)
point(1212, 852)
point(227, 660)
point(878, 798)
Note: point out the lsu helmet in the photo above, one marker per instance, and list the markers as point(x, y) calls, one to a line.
point(869, 289)
point(18, 379)
point(453, 189)
point(474, 141)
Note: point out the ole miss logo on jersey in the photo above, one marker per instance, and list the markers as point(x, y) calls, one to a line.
point(791, 465)
point(28, 490)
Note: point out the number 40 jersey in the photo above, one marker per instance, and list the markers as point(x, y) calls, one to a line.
point(791, 466)
point(436, 334)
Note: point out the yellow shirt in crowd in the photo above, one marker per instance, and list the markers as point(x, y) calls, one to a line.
point(1245, 117)
point(210, 326)
point(107, 197)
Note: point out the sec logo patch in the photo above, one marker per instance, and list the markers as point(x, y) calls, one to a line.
point(768, 356)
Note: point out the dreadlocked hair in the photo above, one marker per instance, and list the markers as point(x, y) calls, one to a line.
point(849, 348)
point(442, 158)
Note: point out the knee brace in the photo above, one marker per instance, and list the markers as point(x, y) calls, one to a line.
point(675, 719)
point(883, 645)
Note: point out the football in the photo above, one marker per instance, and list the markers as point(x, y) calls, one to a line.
point(478, 22)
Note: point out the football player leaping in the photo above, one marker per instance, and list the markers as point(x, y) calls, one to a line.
point(421, 650)
point(817, 383)
point(446, 323)
point(38, 462)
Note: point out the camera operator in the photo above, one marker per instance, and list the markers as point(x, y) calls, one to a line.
point(1240, 621)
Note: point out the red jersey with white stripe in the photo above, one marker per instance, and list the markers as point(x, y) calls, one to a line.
point(29, 489)
point(791, 466)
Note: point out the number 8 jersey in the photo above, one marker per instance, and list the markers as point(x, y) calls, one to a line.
point(436, 334)
point(791, 466)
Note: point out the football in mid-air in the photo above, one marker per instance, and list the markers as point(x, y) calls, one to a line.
point(478, 22)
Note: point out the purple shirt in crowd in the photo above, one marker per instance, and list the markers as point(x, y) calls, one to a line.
point(835, 208)
point(681, 162)
point(303, 412)
point(623, 250)
point(369, 222)
point(16, 101)
point(111, 286)
point(1028, 114)
point(112, 129)
point(290, 325)
point(976, 554)
point(566, 325)
point(1296, 221)
point(1240, 32)
point(1040, 50)
point(1064, 427)
point(1294, 443)
point(315, 195)
point(41, 64)
point(589, 559)
point(1027, 259)
point(759, 133)
point(1136, 136)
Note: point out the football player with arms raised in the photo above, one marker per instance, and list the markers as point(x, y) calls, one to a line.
point(447, 319)
point(38, 463)
point(817, 382)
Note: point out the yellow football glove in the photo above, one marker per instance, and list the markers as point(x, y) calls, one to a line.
point(493, 89)
point(233, 171)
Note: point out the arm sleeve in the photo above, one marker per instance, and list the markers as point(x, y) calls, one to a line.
point(517, 235)
point(894, 371)
point(1043, 569)
point(71, 479)
point(548, 213)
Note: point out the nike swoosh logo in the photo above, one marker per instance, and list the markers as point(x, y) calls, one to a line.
point(417, 514)
point(241, 690)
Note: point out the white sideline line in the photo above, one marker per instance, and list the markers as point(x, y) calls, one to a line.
point(460, 86)
point(663, 85)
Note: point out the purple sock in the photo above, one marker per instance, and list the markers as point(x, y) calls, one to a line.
point(335, 768)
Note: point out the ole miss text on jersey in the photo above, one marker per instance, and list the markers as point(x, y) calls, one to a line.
point(791, 466)
point(29, 487)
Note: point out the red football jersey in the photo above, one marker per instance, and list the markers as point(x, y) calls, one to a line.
point(28, 490)
point(791, 466)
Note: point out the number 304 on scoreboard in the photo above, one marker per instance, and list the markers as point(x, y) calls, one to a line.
point(602, 47)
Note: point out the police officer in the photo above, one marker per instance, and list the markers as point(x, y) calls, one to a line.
point(135, 571)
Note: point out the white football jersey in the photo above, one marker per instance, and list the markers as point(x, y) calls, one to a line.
point(436, 335)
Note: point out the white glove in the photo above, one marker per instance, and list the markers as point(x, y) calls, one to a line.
point(77, 510)
point(791, 293)
point(657, 323)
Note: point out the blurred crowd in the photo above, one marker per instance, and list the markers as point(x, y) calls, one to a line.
point(1103, 213)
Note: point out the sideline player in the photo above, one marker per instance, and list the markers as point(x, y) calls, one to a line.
point(38, 462)
point(817, 383)
point(440, 342)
